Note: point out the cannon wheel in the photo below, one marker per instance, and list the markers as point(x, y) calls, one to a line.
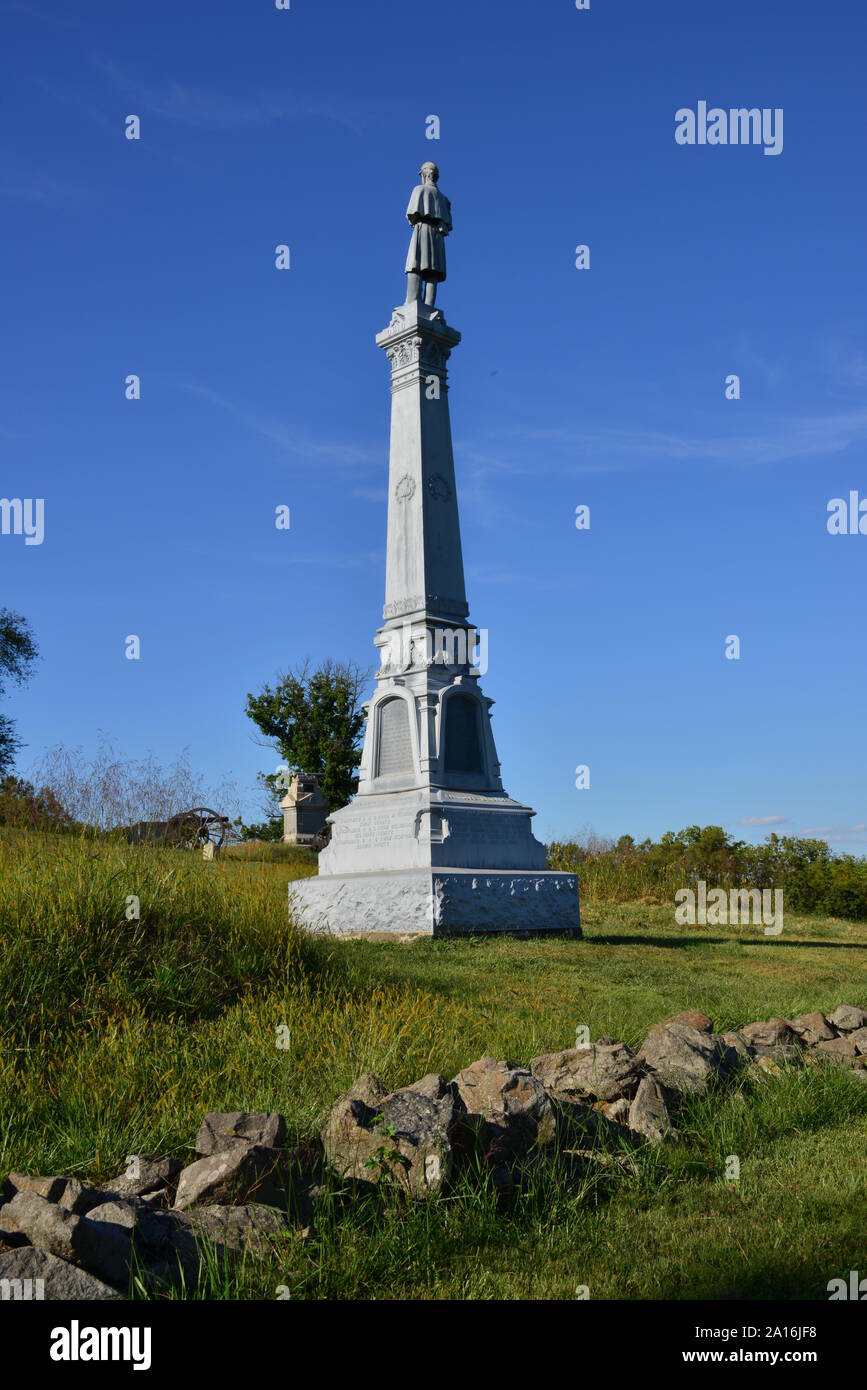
point(196, 827)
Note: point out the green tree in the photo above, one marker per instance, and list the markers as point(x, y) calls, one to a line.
point(314, 721)
point(24, 806)
point(18, 652)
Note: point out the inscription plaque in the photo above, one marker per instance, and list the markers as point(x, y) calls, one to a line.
point(463, 745)
point(395, 746)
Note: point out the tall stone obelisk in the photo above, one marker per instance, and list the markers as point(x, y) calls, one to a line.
point(431, 842)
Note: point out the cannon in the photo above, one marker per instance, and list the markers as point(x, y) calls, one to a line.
point(192, 829)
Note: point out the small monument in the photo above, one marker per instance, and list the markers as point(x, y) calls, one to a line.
point(305, 810)
point(431, 842)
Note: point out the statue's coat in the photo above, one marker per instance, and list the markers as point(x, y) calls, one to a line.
point(430, 215)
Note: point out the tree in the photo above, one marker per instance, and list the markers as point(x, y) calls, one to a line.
point(18, 652)
point(27, 808)
point(314, 721)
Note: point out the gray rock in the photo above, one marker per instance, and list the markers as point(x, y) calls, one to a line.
point(738, 1043)
point(648, 1113)
point(368, 1088)
point(580, 1125)
point(60, 1279)
point(99, 1247)
point(685, 1059)
point(840, 1049)
point(240, 1173)
point(813, 1028)
point(608, 1070)
point(774, 1037)
point(695, 1019)
point(149, 1176)
point(63, 1190)
point(859, 1038)
point(433, 1086)
point(219, 1131)
point(49, 1188)
point(163, 1244)
point(848, 1018)
point(508, 1110)
point(406, 1136)
point(248, 1229)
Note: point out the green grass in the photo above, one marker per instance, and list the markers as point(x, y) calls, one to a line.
point(118, 1035)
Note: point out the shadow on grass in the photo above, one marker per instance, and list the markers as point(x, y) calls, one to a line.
point(680, 942)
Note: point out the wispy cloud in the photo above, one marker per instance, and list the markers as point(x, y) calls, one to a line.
point(204, 107)
point(19, 7)
point(339, 452)
point(590, 449)
point(765, 820)
point(42, 190)
point(836, 832)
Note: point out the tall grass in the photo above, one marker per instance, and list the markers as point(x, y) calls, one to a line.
point(117, 1034)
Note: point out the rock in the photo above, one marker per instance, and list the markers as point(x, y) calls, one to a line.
point(617, 1111)
point(433, 1086)
point(99, 1247)
point(648, 1113)
point(406, 1136)
point(686, 1059)
point(247, 1229)
point(368, 1088)
point(508, 1110)
point(65, 1191)
point(848, 1018)
point(765, 1063)
point(242, 1173)
point(161, 1240)
point(580, 1125)
point(153, 1226)
point(859, 1038)
point(773, 1038)
point(813, 1028)
point(149, 1176)
point(60, 1279)
point(738, 1043)
point(219, 1131)
point(841, 1049)
point(50, 1189)
point(695, 1019)
point(607, 1070)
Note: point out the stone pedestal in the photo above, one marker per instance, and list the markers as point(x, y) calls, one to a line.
point(305, 811)
point(431, 842)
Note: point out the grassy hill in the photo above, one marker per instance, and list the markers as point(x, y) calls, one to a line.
point(119, 1032)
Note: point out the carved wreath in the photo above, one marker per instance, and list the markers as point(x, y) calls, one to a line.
point(438, 487)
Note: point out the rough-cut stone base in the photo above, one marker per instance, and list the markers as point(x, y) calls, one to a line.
point(439, 902)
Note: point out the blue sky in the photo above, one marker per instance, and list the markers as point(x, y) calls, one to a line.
point(603, 386)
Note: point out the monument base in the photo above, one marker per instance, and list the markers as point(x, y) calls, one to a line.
point(439, 902)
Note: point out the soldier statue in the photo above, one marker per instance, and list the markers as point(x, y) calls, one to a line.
point(430, 216)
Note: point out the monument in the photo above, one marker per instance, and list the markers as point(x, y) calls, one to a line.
point(305, 810)
point(431, 842)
